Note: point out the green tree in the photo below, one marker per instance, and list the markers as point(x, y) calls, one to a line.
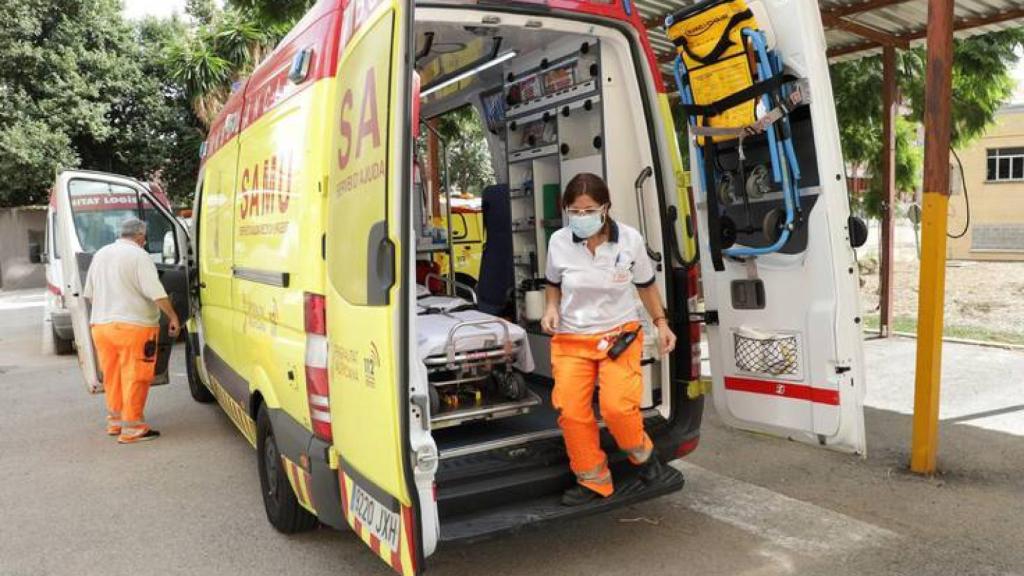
point(981, 84)
point(207, 60)
point(469, 154)
point(74, 93)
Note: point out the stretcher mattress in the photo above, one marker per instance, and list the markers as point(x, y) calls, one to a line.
point(437, 315)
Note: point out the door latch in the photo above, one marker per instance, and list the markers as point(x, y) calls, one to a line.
point(709, 317)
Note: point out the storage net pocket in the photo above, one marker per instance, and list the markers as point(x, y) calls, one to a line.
point(777, 354)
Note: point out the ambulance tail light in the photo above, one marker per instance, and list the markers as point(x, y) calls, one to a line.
point(692, 294)
point(316, 314)
point(318, 385)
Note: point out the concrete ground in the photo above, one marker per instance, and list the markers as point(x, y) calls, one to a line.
point(74, 502)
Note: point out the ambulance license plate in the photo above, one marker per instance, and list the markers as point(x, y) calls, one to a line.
point(380, 520)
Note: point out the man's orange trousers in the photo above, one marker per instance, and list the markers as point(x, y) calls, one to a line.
point(127, 358)
point(579, 362)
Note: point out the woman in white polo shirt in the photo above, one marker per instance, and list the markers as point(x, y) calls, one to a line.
point(596, 268)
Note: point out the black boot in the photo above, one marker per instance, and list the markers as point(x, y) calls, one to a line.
point(651, 470)
point(578, 495)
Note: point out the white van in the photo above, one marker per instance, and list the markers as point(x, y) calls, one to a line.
point(86, 211)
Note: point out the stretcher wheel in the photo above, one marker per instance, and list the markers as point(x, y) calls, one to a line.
point(727, 231)
point(772, 225)
point(511, 384)
point(435, 400)
point(758, 182)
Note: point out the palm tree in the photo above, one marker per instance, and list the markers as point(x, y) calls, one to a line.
point(216, 54)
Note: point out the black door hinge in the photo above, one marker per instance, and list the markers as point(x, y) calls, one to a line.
point(709, 317)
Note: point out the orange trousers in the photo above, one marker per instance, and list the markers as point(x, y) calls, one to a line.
point(127, 358)
point(578, 363)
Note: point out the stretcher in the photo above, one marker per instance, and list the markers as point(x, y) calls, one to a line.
point(475, 362)
point(733, 87)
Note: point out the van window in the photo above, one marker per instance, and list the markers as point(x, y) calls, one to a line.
point(159, 231)
point(98, 208)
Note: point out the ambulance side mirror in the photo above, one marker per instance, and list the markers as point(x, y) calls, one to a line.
point(170, 255)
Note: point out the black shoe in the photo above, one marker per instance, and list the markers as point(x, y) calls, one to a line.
point(578, 495)
point(651, 470)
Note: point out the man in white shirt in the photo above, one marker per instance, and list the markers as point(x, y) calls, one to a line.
point(126, 296)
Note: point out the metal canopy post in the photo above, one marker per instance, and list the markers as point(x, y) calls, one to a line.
point(932, 289)
point(888, 176)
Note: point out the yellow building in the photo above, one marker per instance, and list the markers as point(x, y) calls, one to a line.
point(994, 171)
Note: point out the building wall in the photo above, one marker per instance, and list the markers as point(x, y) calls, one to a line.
point(20, 228)
point(997, 208)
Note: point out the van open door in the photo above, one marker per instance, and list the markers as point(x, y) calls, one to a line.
point(368, 228)
point(781, 290)
point(91, 207)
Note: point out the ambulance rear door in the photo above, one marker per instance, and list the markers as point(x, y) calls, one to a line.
point(784, 328)
point(90, 209)
point(367, 297)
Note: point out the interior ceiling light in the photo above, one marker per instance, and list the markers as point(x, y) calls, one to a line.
point(471, 72)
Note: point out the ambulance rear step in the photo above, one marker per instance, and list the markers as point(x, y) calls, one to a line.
point(543, 510)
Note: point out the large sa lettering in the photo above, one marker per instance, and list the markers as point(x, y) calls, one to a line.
point(369, 120)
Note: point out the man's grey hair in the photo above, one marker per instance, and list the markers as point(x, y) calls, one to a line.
point(132, 227)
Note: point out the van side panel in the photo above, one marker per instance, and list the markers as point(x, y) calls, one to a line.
point(279, 221)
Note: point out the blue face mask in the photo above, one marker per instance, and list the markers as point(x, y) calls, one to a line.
point(586, 226)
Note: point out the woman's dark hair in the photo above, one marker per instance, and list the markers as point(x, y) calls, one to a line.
point(586, 184)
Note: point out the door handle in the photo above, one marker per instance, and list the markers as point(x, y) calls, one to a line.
point(380, 263)
point(642, 178)
point(202, 284)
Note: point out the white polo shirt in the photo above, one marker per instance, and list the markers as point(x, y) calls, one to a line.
point(598, 290)
point(123, 284)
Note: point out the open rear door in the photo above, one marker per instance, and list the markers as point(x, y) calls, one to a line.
point(366, 298)
point(784, 326)
point(90, 208)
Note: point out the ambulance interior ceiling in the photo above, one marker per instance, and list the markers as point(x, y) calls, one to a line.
point(446, 48)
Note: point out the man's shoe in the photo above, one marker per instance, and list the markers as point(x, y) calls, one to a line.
point(113, 430)
point(578, 495)
point(134, 438)
point(651, 470)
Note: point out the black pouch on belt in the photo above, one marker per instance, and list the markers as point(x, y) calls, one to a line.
point(622, 342)
point(149, 349)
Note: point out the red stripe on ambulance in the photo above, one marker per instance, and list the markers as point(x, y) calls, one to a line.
point(783, 389)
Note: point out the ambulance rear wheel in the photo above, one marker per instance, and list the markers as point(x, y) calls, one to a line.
point(283, 509)
point(200, 393)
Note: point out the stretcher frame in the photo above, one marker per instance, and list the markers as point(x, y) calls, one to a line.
point(476, 367)
point(777, 102)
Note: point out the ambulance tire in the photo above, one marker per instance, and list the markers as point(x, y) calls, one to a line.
point(283, 509)
point(200, 393)
point(62, 346)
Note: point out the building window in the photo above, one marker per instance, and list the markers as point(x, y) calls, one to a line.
point(1005, 164)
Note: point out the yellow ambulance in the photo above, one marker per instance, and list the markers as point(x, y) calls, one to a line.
point(417, 418)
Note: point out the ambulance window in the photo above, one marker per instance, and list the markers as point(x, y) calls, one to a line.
point(98, 208)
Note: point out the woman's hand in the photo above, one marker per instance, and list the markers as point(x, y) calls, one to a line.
point(666, 338)
point(549, 322)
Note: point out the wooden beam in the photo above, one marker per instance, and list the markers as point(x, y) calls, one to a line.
point(932, 283)
point(958, 26)
point(888, 176)
point(860, 7)
point(656, 21)
point(877, 36)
